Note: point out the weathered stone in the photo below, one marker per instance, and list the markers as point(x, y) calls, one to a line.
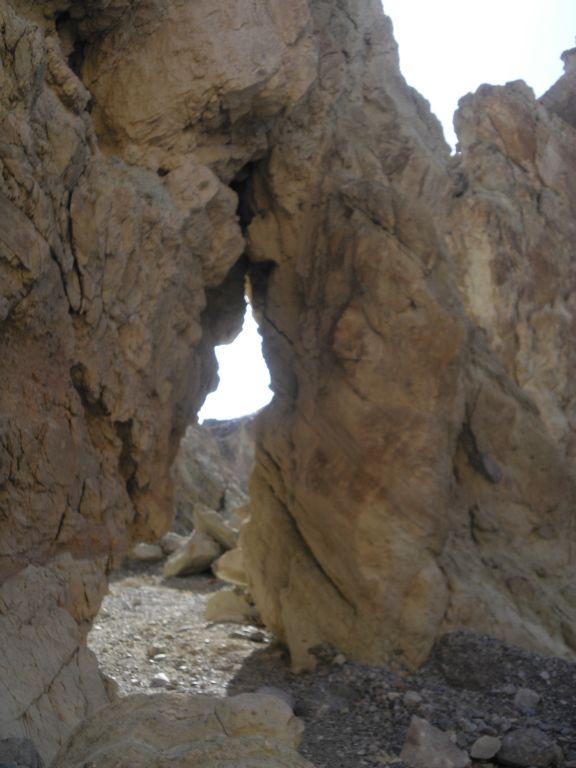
point(429, 747)
point(227, 605)
point(230, 567)
point(262, 713)
point(415, 471)
point(147, 553)
point(49, 680)
point(526, 700)
point(171, 542)
point(160, 680)
point(196, 556)
point(210, 522)
point(526, 747)
point(212, 469)
point(187, 732)
point(485, 748)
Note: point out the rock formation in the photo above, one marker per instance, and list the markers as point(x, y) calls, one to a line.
point(188, 732)
point(415, 472)
point(416, 469)
point(212, 469)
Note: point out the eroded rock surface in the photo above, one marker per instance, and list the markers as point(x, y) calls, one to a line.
point(212, 470)
point(415, 472)
point(188, 732)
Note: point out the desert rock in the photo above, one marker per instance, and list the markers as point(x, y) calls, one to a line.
point(415, 471)
point(229, 605)
point(187, 731)
point(195, 556)
point(213, 524)
point(230, 567)
point(429, 747)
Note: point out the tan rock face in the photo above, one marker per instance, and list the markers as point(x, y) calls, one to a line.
point(415, 472)
point(49, 680)
point(188, 732)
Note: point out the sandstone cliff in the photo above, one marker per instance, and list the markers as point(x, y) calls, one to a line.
point(416, 469)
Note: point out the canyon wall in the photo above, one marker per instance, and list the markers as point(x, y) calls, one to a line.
point(415, 471)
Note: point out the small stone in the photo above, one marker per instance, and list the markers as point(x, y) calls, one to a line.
point(161, 680)
point(412, 699)
point(485, 748)
point(339, 660)
point(171, 542)
point(526, 700)
point(525, 747)
point(155, 650)
point(429, 747)
point(146, 553)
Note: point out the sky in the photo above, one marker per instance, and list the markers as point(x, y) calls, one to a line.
point(447, 49)
point(450, 47)
point(244, 377)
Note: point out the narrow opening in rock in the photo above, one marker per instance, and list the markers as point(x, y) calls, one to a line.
point(72, 45)
point(244, 377)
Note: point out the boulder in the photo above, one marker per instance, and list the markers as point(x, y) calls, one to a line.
point(228, 605)
point(171, 542)
point(527, 748)
point(428, 747)
point(212, 523)
point(230, 567)
point(195, 556)
point(185, 731)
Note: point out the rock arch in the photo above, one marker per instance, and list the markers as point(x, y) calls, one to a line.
point(415, 472)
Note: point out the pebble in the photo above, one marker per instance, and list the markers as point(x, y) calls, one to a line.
point(526, 700)
point(485, 748)
point(527, 747)
point(161, 680)
point(412, 699)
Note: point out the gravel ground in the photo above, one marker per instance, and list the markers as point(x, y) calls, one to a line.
point(151, 635)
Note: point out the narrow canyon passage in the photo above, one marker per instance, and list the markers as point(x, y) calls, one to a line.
point(414, 473)
point(151, 635)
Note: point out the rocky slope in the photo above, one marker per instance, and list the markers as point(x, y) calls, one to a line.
point(152, 635)
point(415, 472)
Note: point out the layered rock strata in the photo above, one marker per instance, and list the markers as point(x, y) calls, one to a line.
point(415, 472)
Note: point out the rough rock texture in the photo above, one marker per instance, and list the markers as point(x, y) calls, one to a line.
point(188, 732)
point(429, 747)
point(416, 470)
point(212, 469)
point(49, 680)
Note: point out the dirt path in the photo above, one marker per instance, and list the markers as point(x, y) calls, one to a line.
point(151, 635)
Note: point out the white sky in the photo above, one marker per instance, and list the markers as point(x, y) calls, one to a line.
point(450, 47)
point(447, 49)
point(244, 377)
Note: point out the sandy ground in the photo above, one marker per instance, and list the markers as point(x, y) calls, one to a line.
point(151, 635)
